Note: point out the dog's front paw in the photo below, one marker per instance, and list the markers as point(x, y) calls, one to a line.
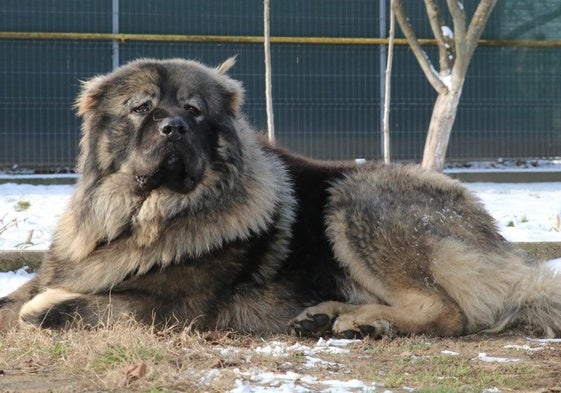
point(309, 324)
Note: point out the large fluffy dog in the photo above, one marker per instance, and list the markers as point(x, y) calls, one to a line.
point(184, 215)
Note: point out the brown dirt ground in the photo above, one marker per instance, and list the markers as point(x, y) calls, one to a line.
point(135, 358)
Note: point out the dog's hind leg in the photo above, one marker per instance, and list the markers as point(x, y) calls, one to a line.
point(413, 312)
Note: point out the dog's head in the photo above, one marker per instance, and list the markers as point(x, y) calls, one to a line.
point(163, 123)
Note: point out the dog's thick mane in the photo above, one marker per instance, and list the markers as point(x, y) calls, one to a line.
point(155, 227)
point(247, 207)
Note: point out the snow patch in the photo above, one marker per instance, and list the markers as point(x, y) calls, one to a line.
point(446, 79)
point(333, 346)
point(523, 348)
point(555, 265)
point(490, 359)
point(336, 342)
point(10, 281)
point(545, 340)
point(447, 32)
point(262, 382)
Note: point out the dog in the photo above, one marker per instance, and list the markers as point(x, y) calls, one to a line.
point(185, 215)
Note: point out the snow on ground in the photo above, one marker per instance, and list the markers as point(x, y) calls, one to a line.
point(303, 380)
point(505, 165)
point(525, 212)
point(29, 213)
point(10, 281)
point(304, 377)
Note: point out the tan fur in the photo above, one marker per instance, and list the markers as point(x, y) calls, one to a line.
point(475, 284)
point(86, 100)
point(226, 65)
point(411, 312)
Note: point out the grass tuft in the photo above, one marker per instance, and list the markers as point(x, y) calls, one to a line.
point(22, 206)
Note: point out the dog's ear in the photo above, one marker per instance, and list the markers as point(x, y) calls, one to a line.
point(236, 94)
point(234, 88)
point(225, 67)
point(89, 96)
point(86, 104)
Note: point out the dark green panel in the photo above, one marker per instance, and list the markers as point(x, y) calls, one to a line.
point(211, 17)
point(325, 18)
point(331, 18)
point(326, 98)
point(526, 20)
point(92, 16)
point(38, 84)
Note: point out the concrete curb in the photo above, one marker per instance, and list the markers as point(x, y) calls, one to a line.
point(39, 180)
point(506, 177)
point(13, 260)
point(493, 176)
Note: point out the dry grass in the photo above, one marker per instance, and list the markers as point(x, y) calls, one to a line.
point(136, 358)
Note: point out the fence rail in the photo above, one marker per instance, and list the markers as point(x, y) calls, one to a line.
point(124, 37)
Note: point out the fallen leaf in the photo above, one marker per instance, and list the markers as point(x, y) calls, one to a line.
point(134, 371)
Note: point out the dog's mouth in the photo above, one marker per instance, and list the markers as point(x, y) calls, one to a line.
point(178, 172)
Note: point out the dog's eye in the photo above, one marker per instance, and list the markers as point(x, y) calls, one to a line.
point(193, 110)
point(143, 108)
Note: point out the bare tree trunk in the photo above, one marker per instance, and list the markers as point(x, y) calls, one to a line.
point(440, 127)
point(455, 52)
point(387, 153)
point(268, 73)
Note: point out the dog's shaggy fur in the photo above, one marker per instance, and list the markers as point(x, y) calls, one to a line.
point(184, 214)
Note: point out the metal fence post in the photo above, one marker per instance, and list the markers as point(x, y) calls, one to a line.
point(382, 61)
point(268, 73)
point(115, 30)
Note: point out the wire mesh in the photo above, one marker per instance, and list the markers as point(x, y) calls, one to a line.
point(327, 98)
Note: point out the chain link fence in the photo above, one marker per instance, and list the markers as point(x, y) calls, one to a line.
point(327, 92)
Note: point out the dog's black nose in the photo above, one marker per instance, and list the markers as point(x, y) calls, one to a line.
point(173, 128)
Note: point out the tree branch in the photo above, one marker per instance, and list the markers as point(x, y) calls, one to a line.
point(445, 42)
point(477, 24)
point(419, 53)
point(458, 13)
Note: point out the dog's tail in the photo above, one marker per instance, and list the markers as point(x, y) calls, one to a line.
point(535, 301)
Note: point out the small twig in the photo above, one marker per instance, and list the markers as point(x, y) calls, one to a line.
point(4, 225)
point(29, 236)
